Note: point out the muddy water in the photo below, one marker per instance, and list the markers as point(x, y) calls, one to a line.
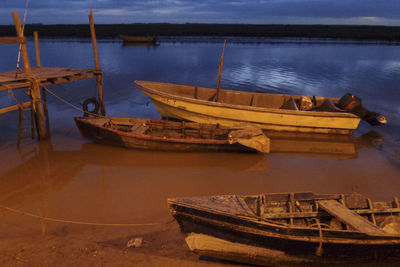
point(84, 185)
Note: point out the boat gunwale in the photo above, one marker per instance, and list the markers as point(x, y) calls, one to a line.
point(245, 107)
point(157, 139)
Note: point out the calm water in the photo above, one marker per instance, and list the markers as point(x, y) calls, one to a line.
point(69, 177)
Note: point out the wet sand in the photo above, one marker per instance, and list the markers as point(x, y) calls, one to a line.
point(71, 179)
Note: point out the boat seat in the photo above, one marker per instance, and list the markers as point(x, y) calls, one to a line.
point(349, 217)
point(140, 128)
point(290, 104)
point(136, 128)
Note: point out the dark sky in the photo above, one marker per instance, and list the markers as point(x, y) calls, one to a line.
point(375, 12)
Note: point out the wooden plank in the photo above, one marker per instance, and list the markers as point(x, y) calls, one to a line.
point(44, 73)
point(13, 40)
point(370, 205)
point(11, 86)
point(350, 217)
point(49, 81)
point(14, 107)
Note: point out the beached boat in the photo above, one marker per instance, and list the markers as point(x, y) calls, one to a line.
point(138, 39)
point(268, 111)
point(171, 135)
point(289, 228)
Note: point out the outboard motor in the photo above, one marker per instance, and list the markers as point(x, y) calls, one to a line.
point(352, 104)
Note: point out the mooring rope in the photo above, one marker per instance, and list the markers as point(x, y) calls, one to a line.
point(80, 222)
point(318, 251)
point(72, 105)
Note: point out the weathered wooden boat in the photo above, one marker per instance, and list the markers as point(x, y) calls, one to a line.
point(290, 228)
point(138, 39)
point(171, 135)
point(268, 111)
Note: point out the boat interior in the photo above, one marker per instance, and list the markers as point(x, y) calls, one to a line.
point(164, 128)
point(262, 100)
point(306, 210)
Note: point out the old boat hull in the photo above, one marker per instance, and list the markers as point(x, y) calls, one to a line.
point(192, 103)
point(93, 129)
point(249, 239)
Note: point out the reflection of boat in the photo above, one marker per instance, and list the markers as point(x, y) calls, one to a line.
point(267, 111)
point(91, 153)
point(311, 144)
point(289, 228)
point(138, 39)
point(171, 135)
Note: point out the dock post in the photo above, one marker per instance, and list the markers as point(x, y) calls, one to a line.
point(99, 73)
point(34, 88)
point(38, 60)
point(39, 64)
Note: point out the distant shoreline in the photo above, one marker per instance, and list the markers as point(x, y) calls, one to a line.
point(383, 33)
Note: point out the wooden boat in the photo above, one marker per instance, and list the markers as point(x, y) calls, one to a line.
point(268, 111)
point(290, 228)
point(138, 39)
point(171, 135)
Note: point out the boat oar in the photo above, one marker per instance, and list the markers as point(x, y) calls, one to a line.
point(221, 63)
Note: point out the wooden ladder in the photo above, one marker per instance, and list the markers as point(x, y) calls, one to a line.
point(22, 126)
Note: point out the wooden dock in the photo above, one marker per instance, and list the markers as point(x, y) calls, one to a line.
point(16, 79)
point(34, 79)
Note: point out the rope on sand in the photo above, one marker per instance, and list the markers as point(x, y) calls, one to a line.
point(79, 222)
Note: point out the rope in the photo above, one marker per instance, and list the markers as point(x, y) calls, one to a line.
point(318, 252)
point(79, 222)
point(12, 95)
point(72, 105)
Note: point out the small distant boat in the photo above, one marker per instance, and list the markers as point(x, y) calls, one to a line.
point(139, 39)
point(171, 135)
point(277, 112)
point(290, 228)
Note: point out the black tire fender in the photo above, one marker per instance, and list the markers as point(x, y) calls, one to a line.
point(90, 101)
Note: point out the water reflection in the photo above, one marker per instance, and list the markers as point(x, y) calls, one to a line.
point(321, 145)
point(27, 182)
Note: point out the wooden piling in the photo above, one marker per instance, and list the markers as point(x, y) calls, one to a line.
point(38, 60)
point(44, 97)
point(99, 73)
point(34, 83)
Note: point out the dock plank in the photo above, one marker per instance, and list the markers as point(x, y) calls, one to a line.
point(42, 73)
point(350, 217)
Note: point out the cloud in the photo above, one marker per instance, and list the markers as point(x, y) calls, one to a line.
point(235, 11)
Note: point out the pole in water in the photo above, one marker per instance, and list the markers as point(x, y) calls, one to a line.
point(221, 64)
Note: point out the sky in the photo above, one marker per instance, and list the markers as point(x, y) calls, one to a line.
point(350, 12)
